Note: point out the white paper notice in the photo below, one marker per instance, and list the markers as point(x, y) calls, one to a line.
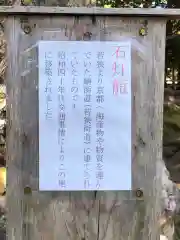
point(84, 115)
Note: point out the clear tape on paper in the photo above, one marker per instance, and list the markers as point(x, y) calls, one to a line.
point(30, 58)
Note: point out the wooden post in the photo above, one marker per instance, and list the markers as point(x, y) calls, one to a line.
point(83, 215)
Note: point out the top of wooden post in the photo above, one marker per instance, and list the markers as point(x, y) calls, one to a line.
point(133, 12)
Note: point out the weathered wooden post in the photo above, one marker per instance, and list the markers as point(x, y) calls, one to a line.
point(83, 214)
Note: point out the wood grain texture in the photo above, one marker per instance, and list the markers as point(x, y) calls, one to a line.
point(44, 10)
point(83, 215)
